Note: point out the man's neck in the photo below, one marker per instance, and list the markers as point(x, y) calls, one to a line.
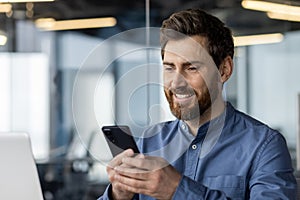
point(214, 111)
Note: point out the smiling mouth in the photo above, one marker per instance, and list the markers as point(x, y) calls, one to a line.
point(183, 96)
point(183, 99)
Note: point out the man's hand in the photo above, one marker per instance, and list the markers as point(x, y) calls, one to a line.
point(118, 193)
point(152, 176)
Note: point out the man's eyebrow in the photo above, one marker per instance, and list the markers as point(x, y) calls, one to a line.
point(168, 63)
point(194, 62)
point(185, 63)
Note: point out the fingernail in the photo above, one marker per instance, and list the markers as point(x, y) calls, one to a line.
point(116, 177)
point(142, 156)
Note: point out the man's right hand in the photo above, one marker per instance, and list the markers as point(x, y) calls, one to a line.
point(118, 194)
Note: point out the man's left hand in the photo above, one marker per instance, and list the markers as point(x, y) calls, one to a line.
point(152, 176)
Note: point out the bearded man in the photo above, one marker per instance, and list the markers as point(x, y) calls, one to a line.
point(211, 151)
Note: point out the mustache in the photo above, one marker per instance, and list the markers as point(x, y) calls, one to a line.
point(181, 90)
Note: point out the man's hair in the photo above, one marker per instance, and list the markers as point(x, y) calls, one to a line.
point(193, 22)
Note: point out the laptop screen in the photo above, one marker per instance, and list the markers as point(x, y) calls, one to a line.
point(18, 173)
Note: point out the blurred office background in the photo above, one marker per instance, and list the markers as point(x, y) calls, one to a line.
point(61, 84)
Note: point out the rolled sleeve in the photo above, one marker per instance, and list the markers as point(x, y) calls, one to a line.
point(107, 193)
point(272, 175)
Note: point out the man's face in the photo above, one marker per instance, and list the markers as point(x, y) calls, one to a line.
point(191, 79)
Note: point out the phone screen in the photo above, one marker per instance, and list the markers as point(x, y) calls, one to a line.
point(119, 138)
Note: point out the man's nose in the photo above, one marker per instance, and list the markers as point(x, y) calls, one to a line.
point(178, 81)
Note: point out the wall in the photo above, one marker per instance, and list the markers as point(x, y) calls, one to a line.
point(274, 84)
point(24, 98)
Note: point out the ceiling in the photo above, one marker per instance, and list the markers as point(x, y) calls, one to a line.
point(131, 14)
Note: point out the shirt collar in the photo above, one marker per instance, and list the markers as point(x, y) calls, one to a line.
point(217, 122)
point(210, 125)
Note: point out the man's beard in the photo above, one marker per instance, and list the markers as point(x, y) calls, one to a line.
point(182, 112)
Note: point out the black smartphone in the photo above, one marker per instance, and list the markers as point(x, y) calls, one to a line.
point(119, 138)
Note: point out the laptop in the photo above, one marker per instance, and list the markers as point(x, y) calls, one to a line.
point(18, 172)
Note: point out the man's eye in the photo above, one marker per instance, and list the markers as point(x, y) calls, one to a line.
point(192, 68)
point(166, 68)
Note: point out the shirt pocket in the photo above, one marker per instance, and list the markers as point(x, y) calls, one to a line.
point(233, 186)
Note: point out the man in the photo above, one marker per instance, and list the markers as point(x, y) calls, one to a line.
point(211, 151)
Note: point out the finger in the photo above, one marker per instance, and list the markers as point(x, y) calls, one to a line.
point(131, 172)
point(135, 162)
point(142, 156)
point(112, 172)
point(148, 163)
point(116, 162)
point(128, 164)
point(121, 169)
point(118, 159)
point(130, 184)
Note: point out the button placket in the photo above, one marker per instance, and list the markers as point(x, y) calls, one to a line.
point(192, 160)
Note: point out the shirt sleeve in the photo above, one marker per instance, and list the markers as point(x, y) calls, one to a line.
point(107, 193)
point(190, 189)
point(272, 175)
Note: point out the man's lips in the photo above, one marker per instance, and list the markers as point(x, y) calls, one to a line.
point(183, 98)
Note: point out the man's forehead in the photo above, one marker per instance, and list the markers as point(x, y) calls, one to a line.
point(188, 41)
point(189, 49)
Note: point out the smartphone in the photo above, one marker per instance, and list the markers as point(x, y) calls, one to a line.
point(119, 138)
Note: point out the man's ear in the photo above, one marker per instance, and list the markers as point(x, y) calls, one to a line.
point(226, 69)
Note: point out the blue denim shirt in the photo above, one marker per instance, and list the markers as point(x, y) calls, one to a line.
point(232, 157)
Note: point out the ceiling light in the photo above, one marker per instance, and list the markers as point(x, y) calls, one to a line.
point(45, 23)
point(3, 39)
point(5, 8)
point(50, 24)
point(281, 16)
point(270, 7)
point(258, 39)
point(23, 1)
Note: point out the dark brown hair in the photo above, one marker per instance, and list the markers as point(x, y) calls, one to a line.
point(193, 22)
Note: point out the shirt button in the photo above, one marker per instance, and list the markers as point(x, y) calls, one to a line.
point(183, 126)
point(194, 146)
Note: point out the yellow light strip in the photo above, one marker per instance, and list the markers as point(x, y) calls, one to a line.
point(281, 16)
point(3, 40)
point(271, 7)
point(5, 8)
point(258, 39)
point(50, 24)
point(23, 1)
point(44, 23)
